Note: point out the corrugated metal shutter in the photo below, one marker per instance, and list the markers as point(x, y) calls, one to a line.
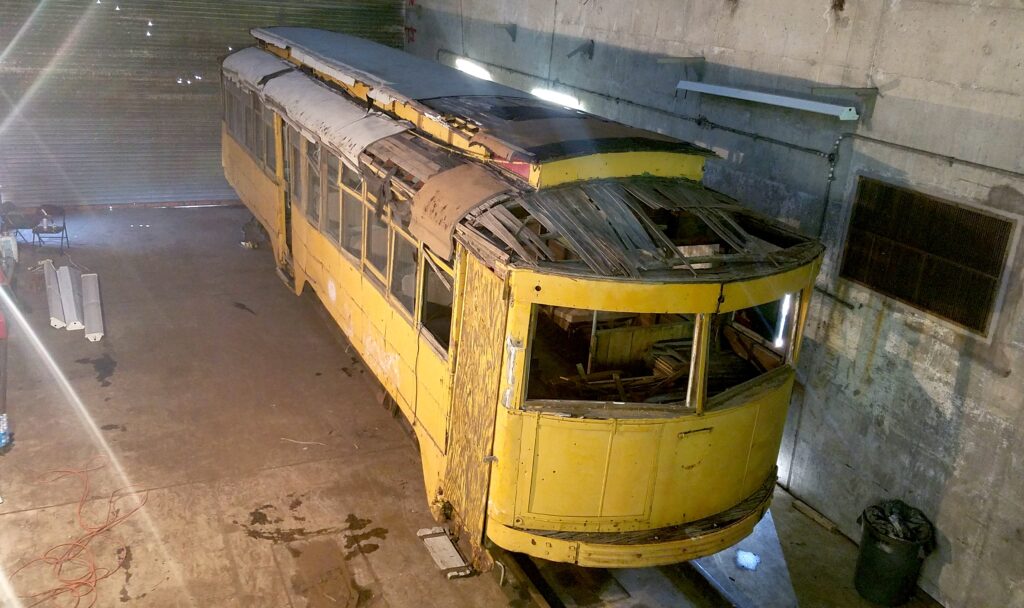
point(91, 110)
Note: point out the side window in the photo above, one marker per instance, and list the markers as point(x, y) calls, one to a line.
point(749, 342)
point(295, 162)
point(229, 106)
point(351, 179)
point(332, 204)
point(404, 264)
point(377, 242)
point(268, 139)
point(258, 150)
point(250, 125)
point(437, 302)
point(312, 182)
point(352, 224)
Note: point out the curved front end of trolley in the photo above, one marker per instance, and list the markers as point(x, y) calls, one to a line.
point(639, 423)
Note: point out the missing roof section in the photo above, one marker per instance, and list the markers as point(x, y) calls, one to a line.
point(639, 228)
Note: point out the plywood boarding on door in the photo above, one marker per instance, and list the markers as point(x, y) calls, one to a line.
point(474, 401)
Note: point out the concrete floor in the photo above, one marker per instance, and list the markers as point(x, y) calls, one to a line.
point(273, 476)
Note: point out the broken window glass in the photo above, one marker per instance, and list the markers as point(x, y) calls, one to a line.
point(404, 264)
point(352, 225)
point(747, 343)
point(582, 354)
point(437, 303)
point(377, 243)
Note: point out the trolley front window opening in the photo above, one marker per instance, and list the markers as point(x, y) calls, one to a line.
point(647, 359)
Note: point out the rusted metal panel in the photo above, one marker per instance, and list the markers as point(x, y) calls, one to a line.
point(445, 199)
point(475, 395)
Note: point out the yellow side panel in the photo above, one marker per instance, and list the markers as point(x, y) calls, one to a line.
point(609, 470)
point(639, 473)
point(613, 295)
point(300, 257)
point(744, 294)
point(617, 164)
point(434, 397)
point(318, 246)
point(706, 472)
point(377, 308)
point(631, 468)
point(401, 341)
point(568, 457)
point(764, 448)
point(508, 433)
point(256, 189)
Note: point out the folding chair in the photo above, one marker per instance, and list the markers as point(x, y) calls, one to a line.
point(16, 219)
point(53, 224)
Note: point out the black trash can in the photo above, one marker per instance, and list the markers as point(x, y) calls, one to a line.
point(895, 539)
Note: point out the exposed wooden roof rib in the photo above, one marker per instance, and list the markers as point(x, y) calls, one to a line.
point(606, 226)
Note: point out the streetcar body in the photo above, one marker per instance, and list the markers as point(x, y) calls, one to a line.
point(596, 353)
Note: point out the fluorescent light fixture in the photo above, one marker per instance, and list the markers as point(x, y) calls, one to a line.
point(467, 66)
point(562, 99)
point(795, 103)
point(780, 334)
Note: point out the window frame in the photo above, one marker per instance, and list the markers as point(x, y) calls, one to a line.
point(296, 165)
point(428, 258)
point(269, 140)
point(355, 259)
point(308, 199)
point(1015, 220)
point(326, 154)
point(397, 234)
point(380, 277)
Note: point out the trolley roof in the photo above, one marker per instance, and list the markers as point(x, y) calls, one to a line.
point(386, 69)
point(641, 227)
point(509, 123)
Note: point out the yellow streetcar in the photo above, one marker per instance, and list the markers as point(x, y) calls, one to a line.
point(596, 352)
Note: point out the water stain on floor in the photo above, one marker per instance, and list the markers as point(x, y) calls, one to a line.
point(242, 306)
point(264, 524)
point(103, 366)
point(323, 578)
point(124, 556)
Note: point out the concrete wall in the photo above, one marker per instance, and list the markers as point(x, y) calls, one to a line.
point(893, 402)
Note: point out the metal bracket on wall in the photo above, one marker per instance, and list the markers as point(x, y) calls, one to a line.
point(842, 112)
point(696, 63)
point(587, 48)
point(866, 96)
point(511, 28)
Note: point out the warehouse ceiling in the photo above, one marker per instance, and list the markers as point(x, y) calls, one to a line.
point(106, 102)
